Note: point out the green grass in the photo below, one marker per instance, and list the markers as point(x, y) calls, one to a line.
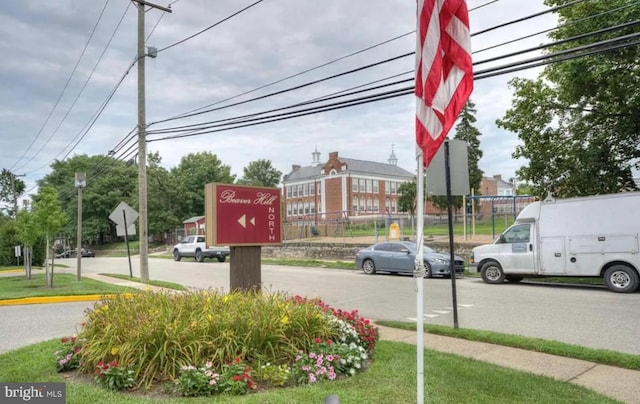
point(485, 227)
point(602, 356)
point(391, 378)
point(162, 284)
point(15, 287)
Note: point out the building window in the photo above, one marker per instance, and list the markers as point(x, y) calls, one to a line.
point(312, 188)
point(362, 204)
point(375, 186)
point(300, 190)
point(305, 189)
point(354, 185)
point(312, 209)
point(306, 208)
point(288, 209)
point(394, 206)
point(362, 185)
point(295, 209)
point(355, 204)
point(333, 172)
point(369, 186)
point(369, 204)
point(319, 188)
point(376, 205)
point(288, 192)
point(387, 187)
point(393, 187)
point(300, 211)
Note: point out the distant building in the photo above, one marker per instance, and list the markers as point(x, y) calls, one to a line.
point(194, 225)
point(342, 187)
point(499, 196)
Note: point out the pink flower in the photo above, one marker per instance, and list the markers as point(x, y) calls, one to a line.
point(312, 378)
point(212, 382)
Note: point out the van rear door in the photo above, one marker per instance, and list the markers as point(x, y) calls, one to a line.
point(517, 249)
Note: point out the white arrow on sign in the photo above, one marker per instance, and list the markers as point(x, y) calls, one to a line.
point(243, 221)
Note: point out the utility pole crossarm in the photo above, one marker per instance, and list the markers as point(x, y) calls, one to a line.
point(146, 3)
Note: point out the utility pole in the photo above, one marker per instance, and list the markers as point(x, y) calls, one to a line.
point(142, 145)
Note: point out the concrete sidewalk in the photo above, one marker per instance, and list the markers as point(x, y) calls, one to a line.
point(620, 384)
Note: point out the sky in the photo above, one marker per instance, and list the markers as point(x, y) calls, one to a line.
point(62, 60)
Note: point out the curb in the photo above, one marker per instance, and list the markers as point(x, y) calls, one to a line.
point(52, 299)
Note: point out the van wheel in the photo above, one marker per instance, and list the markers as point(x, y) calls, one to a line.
point(492, 273)
point(621, 279)
point(368, 267)
point(199, 256)
point(176, 255)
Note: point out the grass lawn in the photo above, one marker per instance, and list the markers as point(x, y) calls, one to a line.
point(14, 287)
point(602, 356)
point(391, 378)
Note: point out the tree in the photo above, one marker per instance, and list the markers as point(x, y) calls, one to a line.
point(163, 197)
point(578, 121)
point(407, 199)
point(109, 182)
point(28, 233)
point(468, 133)
point(190, 177)
point(11, 187)
point(50, 219)
point(261, 173)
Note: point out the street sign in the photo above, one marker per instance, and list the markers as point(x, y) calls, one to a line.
point(119, 213)
point(239, 215)
point(131, 230)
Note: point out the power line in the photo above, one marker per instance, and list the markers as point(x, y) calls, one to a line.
point(64, 89)
point(210, 26)
point(75, 100)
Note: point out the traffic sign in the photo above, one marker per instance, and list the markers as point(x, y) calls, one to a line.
point(239, 215)
point(120, 213)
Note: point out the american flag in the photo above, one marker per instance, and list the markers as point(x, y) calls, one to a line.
point(444, 71)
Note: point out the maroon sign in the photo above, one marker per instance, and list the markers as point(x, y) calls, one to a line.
point(238, 215)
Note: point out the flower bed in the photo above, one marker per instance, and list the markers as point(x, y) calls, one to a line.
point(205, 342)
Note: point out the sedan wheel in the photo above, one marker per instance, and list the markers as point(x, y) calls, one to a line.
point(369, 267)
point(427, 269)
point(176, 255)
point(222, 258)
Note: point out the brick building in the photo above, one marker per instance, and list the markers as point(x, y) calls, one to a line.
point(342, 187)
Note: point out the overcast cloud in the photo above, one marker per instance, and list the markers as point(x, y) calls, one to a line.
point(42, 41)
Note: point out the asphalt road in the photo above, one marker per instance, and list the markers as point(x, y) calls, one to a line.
point(587, 316)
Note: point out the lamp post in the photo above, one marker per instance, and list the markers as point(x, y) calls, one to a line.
point(81, 182)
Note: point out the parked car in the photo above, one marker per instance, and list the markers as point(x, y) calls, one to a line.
point(87, 252)
point(196, 247)
point(400, 256)
point(65, 253)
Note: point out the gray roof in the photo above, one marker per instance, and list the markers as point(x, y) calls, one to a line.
point(353, 167)
point(193, 219)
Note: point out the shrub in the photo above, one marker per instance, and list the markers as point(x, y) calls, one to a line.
point(161, 332)
point(68, 356)
point(113, 377)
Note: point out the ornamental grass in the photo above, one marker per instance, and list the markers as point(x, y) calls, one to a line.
point(158, 334)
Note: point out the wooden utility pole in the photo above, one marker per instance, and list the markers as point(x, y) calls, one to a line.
point(142, 145)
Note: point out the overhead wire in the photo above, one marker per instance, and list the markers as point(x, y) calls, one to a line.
point(86, 82)
point(64, 89)
point(580, 51)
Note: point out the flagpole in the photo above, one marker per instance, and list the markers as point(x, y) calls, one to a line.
point(419, 274)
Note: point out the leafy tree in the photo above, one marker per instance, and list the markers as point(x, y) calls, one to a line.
point(261, 173)
point(163, 197)
point(50, 219)
point(578, 121)
point(468, 133)
point(10, 187)
point(190, 177)
point(407, 199)
point(109, 182)
point(29, 234)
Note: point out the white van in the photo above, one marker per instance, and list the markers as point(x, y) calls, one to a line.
point(586, 236)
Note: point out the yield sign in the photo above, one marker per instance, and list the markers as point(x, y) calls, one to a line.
point(243, 221)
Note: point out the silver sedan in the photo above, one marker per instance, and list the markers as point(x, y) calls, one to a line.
point(400, 256)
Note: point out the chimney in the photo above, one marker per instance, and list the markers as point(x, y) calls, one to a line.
point(295, 167)
point(498, 177)
point(333, 155)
